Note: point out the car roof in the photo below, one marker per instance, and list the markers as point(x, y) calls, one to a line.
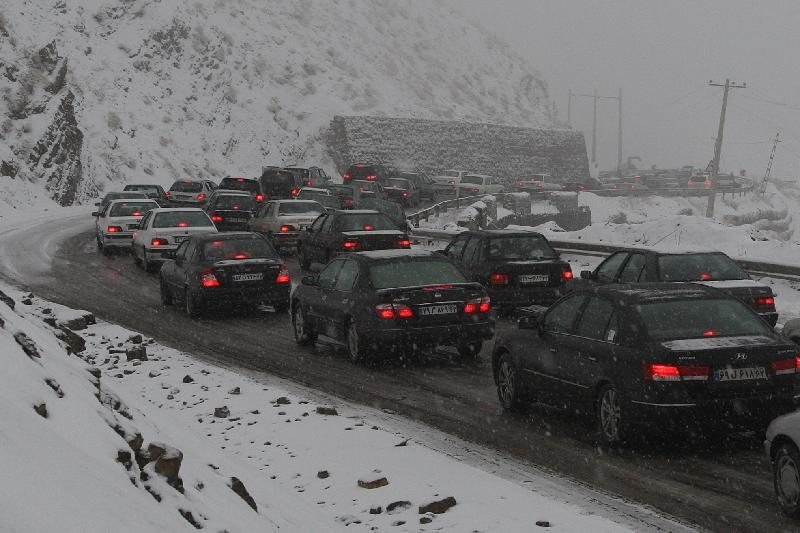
point(479, 175)
point(177, 210)
point(294, 201)
point(134, 194)
point(357, 212)
point(375, 255)
point(655, 250)
point(315, 189)
point(225, 236)
point(139, 200)
point(142, 185)
point(502, 232)
point(239, 178)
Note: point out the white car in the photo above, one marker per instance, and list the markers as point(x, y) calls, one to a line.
point(447, 182)
point(537, 183)
point(478, 184)
point(782, 445)
point(116, 222)
point(162, 230)
point(283, 220)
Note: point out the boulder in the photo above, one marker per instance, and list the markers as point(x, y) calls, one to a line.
point(41, 409)
point(80, 323)
point(283, 400)
point(222, 412)
point(135, 339)
point(168, 461)
point(373, 482)
point(397, 507)
point(235, 390)
point(136, 352)
point(323, 474)
point(329, 411)
point(75, 343)
point(27, 344)
point(188, 379)
point(438, 506)
point(238, 487)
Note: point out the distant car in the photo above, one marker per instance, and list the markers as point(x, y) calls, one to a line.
point(328, 199)
point(634, 182)
point(366, 172)
point(447, 182)
point(162, 230)
point(311, 176)
point(279, 184)
point(109, 197)
point(249, 185)
point(392, 302)
point(782, 445)
point(427, 188)
point(115, 224)
point(477, 184)
point(230, 210)
point(537, 183)
point(338, 232)
point(714, 269)
point(577, 185)
point(233, 269)
point(190, 193)
point(281, 221)
point(368, 189)
point(633, 355)
point(402, 191)
point(345, 193)
point(154, 192)
point(699, 181)
point(519, 268)
point(727, 181)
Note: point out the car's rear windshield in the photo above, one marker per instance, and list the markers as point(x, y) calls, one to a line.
point(360, 173)
point(147, 189)
point(131, 209)
point(341, 190)
point(301, 172)
point(699, 267)
point(122, 195)
point(300, 208)
point(244, 248)
point(520, 248)
point(364, 222)
point(243, 203)
point(279, 176)
point(396, 182)
point(695, 319)
point(414, 274)
point(450, 173)
point(366, 185)
point(182, 219)
point(476, 180)
point(239, 184)
point(186, 186)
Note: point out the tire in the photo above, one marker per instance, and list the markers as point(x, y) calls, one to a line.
point(303, 335)
point(355, 345)
point(192, 305)
point(786, 479)
point(166, 296)
point(610, 416)
point(509, 389)
point(470, 351)
point(305, 262)
point(136, 260)
point(146, 266)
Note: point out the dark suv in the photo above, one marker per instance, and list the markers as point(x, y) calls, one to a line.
point(424, 184)
point(280, 184)
point(311, 176)
point(361, 171)
point(251, 185)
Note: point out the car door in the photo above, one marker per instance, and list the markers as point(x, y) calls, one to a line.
point(593, 345)
point(455, 250)
point(317, 300)
point(608, 270)
point(341, 300)
point(325, 240)
point(310, 236)
point(633, 270)
point(470, 261)
point(173, 272)
point(257, 222)
point(140, 235)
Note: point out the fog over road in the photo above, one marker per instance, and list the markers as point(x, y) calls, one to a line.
point(723, 487)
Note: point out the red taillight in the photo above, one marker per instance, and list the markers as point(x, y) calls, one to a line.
point(136, 214)
point(478, 305)
point(705, 276)
point(113, 229)
point(286, 229)
point(520, 184)
point(711, 333)
point(786, 366)
point(498, 279)
point(346, 176)
point(208, 279)
point(201, 196)
point(240, 180)
point(183, 224)
point(259, 197)
point(237, 207)
point(242, 255)
point(369, 228)
point(659, 372)
point(764, 301)
point(295, 191)
point(567, 274)
point(350, 245)
point(403, 243)
point(390, 311)
point(347, 202)
point(372, 177)
point(158, 242)
point(437, 288)
point(283, 275)
point(216, 218)
point(405, 194)
point(167, 194)
point(474, 190)
point(451, 182)
point(308, 183)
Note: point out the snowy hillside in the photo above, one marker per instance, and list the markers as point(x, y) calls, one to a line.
point(161, 90)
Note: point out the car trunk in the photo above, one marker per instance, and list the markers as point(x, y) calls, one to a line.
point(126, 223)
point(396, 193)
point(247, 273)
point(436, 304)
point(758, 297)
point(525, 274)
point(232, 216)
point(376, 239)
point(178, 235)
point(298, 222)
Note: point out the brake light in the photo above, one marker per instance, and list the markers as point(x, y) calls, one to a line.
point(216, 218)
point(764, 301)
point(158, 242)
point(391, 311)
point(240, 180)
point(283, 275)
point(136, 214)
point(346, 176)
point(295, 191)
point(437, 288)
point(286, 229)
point(498, 279)
point(786, 366)
point(237, 207)
point(113, 229)
point(520, 184)
point(183, 224)
point(347, 202)
point(659, 372)
point(372, 177)
point(208, 279)
point(403, 243)
point(710, 333)
point(168, 194)
point(259, 197)
point(201, 196)
point(474, 190)
point(567, 274)
point(705, 276)
point(350, 245)
point(451, 182)
point(478, 305)
point(369, 228)
point(405, 194)
point(308, 183)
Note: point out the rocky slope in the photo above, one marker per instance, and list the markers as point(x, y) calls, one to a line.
point(99, 92)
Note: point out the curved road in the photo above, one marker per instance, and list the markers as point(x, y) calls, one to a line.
point(722, 486)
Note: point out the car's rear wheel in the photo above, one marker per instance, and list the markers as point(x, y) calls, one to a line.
point(508, 386)
point(611, 421)
point(166, 295)
point(302, 258)
point(355, 345)
point(303, 335)
point(786, 478)
point(192, 304)
point(145, 263)
point(136, 259)
point(469, 350)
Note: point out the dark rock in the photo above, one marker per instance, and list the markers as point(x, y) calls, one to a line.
point(376, 510)
point(154, 374)
point(27, 301)
point(425, 520)
point(135, 441)
point(124, 457)
point(53, 384)
point(397, 507)
point(47, 311)
point(403, 443)
point(328, 411)
point(373, 483)
point(50, 321)
point(41, 409)
point(238, 487)
point(136, 352)
point(80, 323)
point(27, 344)
point(127, 372)
point(189, 518)
point(543, 523)
point(283, 400)
point(168, 461)
point(96, 372)
point(75, 343)
point(8, 168)
point(323, 474)
point(235, 390)
point(222, 412)
point(188, 379)
point(438, 507)
point(135, 339)
point(399, 523)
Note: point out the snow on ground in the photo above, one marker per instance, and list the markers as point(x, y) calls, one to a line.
point(303, 462)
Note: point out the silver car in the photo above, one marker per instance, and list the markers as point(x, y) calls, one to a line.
point(116, 222)
point(283, 220)
point(163, 230)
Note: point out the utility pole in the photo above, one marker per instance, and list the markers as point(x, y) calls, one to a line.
point(594, 96)
point(775, 142)
point(619, 133)
point(569, 109)
point(712, 197)
point(594, 130)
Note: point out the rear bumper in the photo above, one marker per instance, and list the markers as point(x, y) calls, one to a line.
point(439, 335)
point(232, 226)
point(156, 255)
point(511, 297)
point(268, 294)
point(286, 239)
point(121, 240)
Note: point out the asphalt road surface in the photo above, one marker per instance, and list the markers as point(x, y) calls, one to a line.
point(721, 486)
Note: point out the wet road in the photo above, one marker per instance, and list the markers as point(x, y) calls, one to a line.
point(722, 486)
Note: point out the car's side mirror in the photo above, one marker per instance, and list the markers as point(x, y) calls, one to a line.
point(95, 213)
point(311, 281)
point(530, 317)
point(588, 274)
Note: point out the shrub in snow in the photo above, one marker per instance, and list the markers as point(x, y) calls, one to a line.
point(618, 218)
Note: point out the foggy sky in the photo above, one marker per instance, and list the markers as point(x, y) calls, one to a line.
point(662, 54)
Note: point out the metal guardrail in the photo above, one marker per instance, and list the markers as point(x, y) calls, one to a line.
point(458, 202)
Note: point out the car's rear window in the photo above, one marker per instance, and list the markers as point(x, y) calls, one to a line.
point(364, 222)
point(300, 208)
point(699, 267)
point(397, 182)
point(414, 274)
point(281, 176)
point(520, 248)
point(122, 195)
point(695, 319)
point(245, 248)
point(243, 203)
point(450, 173)
point(360, 173)
point(366, 185)
point(239, 184)
point(475, 180)
point(182, 219)
point(186, 186)
point(146, 189)
point(131, 209)
point(302, 173)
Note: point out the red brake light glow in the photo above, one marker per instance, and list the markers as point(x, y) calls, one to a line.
point(201, 196)
point(372, 177)
point(158, 242)
point(659, 372)
point(236, 207)
point(183, 224)
point(567, 274)
point(705, 276)
point(764, 301)
point(259, 197)
point(216, 218)
point(168, 194)
point(403, 243)
point(710, 333)
point(295, 191)
point(240, 180)
point(498, 279)
point(241, 255)
point(391, 311)
point(437, 288)
point(136, 214)
point(283, 275)
point(113, 229)
point(208, 280)
point(350, 245)
point(478, 305)
point(285, 229)
point(347, 202)
point(786, 366)
point(368, 227)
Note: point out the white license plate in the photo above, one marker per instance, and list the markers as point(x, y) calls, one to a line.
point(248, 277)
point(438, 310)
point(237, 220)
point(740, 374)
point(534, 278)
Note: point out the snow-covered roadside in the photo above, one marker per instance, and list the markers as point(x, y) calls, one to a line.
point(301, 458)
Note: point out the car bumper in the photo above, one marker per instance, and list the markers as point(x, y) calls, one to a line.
point(232, 226)
point(286, 239)
point(268, 294)
point(439, 335)
point(508, 298)
point(156, 255)
point(122, 240)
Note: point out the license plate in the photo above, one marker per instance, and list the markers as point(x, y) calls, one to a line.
point(740, 374)
point(180, 238)
point(248, 277)
point(237, 220)
point(438, 310)
point(534, 278)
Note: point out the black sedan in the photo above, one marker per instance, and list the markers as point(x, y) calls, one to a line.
point(237, 269)
point(230, 210)
point(390, 302)
point(402, 191)
point(519, 268)
point(714, 269)
point(672, 354)
point(339, 232)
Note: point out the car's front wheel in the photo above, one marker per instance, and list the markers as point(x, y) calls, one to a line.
point(786, 478)
point(610, 415)
point(192, 304)
point(303, 335)
point(509, 389)
point(146, 265)
point(166, 295)
point(355, 344)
